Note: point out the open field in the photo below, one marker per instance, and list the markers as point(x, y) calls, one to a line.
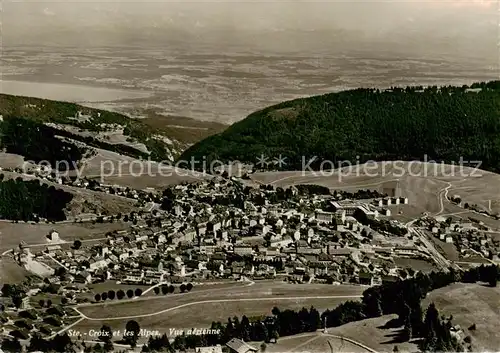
point(480, 191)
point(203, 315)
point(471, 304)
point(415, 264)
point(487, 221)
point(11, 234)
point(11, 272)
point(313, 342)
point(234, 291)
point(374, 334)
point(217, 303)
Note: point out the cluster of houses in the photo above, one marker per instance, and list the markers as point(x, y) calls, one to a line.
point(221, 229)
point(471, 237)
point(224, 230)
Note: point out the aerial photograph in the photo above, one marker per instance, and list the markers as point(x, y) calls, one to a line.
point(250, 176)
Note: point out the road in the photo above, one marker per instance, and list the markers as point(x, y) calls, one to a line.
point(443, 192)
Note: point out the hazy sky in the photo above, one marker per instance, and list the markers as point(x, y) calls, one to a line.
point(471, 25)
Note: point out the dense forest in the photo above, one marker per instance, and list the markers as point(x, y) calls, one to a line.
point(410, 123)
point(30, 200)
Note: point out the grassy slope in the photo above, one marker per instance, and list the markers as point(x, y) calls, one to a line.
point(471, 303)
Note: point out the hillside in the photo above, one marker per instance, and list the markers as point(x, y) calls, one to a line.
point(162, 138)
point(441, 123)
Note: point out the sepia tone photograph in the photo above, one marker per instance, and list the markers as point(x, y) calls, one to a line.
point(249, 176)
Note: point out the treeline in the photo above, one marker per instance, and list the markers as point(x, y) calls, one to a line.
point(38, 142)
point(312, 189)
point(443, 124)
point(403, 298)
point(361, 194)
point(30, 200)
point(130, 293)
point(120, 294)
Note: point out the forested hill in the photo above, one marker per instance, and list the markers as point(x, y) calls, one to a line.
point(443, 123)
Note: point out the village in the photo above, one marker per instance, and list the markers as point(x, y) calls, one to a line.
point(223, 230)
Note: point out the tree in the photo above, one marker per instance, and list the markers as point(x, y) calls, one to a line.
point(138, 292)
point(105, 334)
point(11, 345)
point(111, 294)
point(61, 343)
point(130, 293)
point(120, 294)
point(77, 244)
point(171, 289)
point(8, 290)
point(64, 300)
point(97, 297)
point(157, 290)
point(274, 335)
point(132, 330)
point(49, 303)
point(164, 289)
point(41, 302)
point(104, 295)
point(108, 346)
point(17, 300)
point(189, 286)
point(263, 347)
point(183, 288)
